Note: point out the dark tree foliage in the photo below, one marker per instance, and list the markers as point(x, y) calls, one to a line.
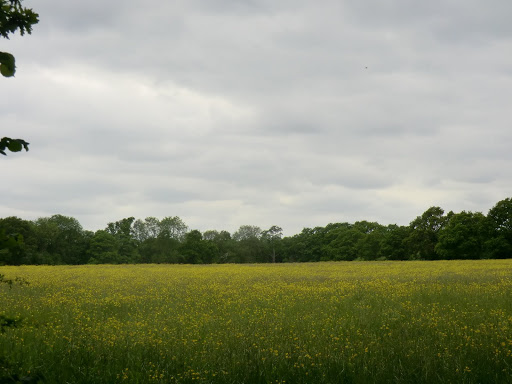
point(463, 236)
point(249, 245)
point(19, 244)
point(159, 240)
point(123, 233)
point(272, 238)
point(223, 244)
point(103, 249)
point(499, 244)
point(11, 247)
point(159, 250)
point(341, 243)
point(195, 250)
point(433, 235)
point(424, 233)
point(394, 245)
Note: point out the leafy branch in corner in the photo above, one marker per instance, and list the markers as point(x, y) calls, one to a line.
point(13, 17)
point(13, 145)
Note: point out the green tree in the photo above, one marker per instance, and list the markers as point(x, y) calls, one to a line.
point(195, 250)
point(121, 228)
point(13, 17)
point(499, 244)
point(103, 249)
point(147, 229)
point(248, 245)
point(223, 243)
point(246, 232)
point(71, 242)
point(123, 232)
point(17, 241)
point(367, 227)
point(272, 238)
point(424, 233)
point(394, 245)
point(341, 242)
point(210, 235)
point(463, 236)
point(159, 240)
point(173, 227)
point(288, 245)
point(501, 216)
point(60, 240)
point(369, 247)
point(47, 232)
point(160, 250)
point(309, 245)
point(11, 246)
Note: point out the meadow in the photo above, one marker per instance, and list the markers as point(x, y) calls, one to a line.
point(344, 322)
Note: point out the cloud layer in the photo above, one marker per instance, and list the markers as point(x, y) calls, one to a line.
point(290, 113)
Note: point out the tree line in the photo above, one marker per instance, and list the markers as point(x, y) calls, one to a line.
point(432, 236)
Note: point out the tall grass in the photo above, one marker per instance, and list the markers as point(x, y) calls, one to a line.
point(353, 322)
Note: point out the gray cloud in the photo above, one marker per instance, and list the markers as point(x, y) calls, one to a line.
point(290, 113)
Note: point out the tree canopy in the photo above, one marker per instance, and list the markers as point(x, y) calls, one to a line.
point(432, 235)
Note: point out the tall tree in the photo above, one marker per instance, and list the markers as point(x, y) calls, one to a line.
point(71, 243)
point(122, 230)
point(60, 240)
point(147, 229)
point(272, 237)
point(344, 243)
point(246, 232)
point(160, 250)
point(369, 247)
point(224, 244)
point(16, 241)
point(394, 246)
point(47, 233)
point(159, 240)
point(13, 17)
point(248, 245)
point(424, 233)
point(173, 227)
point(463, 236)
point(104, 248)
point(308, 245)
point(499, 245)
point(195, 250)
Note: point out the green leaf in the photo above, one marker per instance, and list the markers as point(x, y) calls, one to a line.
point(15, 146)
point(7, 64)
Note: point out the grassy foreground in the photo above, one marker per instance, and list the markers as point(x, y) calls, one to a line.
point(347, 322)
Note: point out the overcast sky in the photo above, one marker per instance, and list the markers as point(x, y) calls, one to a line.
point(291, 112)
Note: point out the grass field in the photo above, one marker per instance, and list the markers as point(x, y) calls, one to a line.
point(349, 322)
